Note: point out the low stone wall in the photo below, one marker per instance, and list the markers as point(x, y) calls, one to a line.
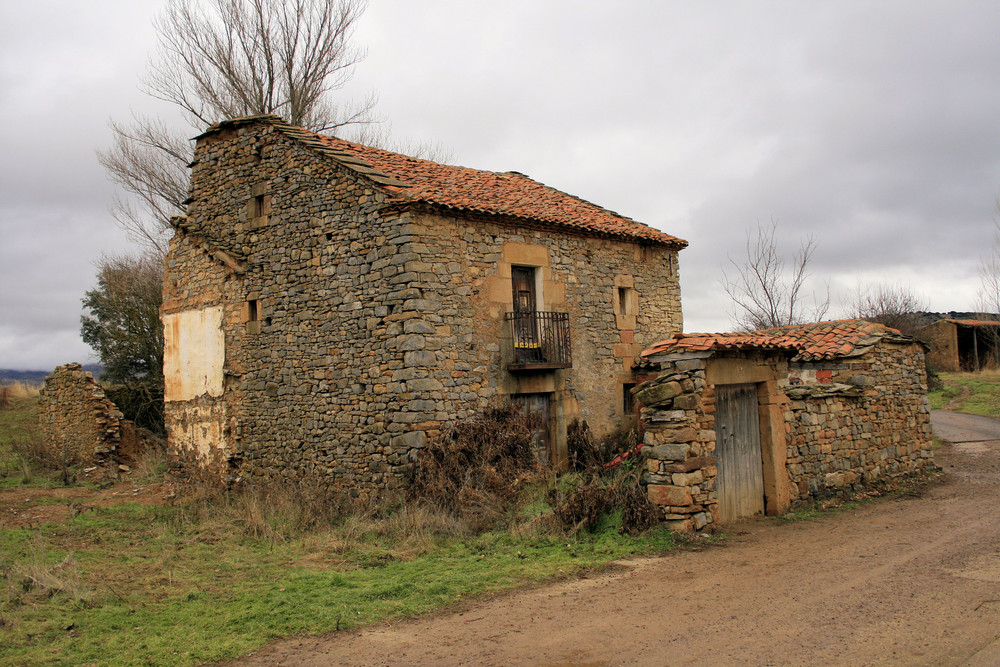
point(78, 420)
point(679, 445)
point(827, 428)
point(860, 421)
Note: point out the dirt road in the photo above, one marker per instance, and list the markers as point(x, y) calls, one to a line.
point(909, 581)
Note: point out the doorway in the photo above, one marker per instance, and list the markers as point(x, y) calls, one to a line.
point(740, 481)
point(538, 409)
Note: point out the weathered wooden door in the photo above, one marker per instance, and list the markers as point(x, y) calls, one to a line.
point(537, 407)
point(740, 484)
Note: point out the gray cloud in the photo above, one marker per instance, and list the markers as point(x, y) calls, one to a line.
point(870, 126)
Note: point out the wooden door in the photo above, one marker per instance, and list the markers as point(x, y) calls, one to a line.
point(522, 279)
point(740, 484)
point(537, 408)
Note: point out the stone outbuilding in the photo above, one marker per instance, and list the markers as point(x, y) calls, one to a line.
point(962, 344)
point(328, 306)
point(756, 423)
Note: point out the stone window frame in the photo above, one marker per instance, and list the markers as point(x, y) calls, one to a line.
point(259, 206)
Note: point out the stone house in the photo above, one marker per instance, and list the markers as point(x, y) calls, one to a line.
point(962, 344)
point(328, 306)
point(750, 423)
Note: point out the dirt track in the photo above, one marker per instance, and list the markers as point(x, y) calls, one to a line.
point(910, 581)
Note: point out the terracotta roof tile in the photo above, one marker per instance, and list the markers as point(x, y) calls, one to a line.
point(975, 323)
point(507, 194)
point(814, 341)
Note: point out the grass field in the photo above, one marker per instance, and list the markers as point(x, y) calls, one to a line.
point(972, 393)
point(94, 580)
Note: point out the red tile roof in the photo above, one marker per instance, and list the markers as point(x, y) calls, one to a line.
point(975, 323)
point(814, 341)
point(507, 194)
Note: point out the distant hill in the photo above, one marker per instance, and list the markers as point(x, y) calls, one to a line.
point(8, 375)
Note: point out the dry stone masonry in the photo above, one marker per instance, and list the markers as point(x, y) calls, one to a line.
point(79, 420)
point(329, 307)
point(833, 417)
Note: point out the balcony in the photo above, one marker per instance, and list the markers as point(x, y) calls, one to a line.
point(540, 341)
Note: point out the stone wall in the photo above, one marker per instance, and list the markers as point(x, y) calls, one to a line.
point(859, 421)
point(942, 339)
point(827, 428)
point(78, 421)
point(353, 331)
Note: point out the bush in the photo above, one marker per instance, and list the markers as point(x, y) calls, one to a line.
point(603, 486)
point(475, 470)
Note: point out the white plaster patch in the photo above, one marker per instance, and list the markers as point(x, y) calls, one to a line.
point(193, 354)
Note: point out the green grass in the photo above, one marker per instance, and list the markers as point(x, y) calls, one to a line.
point(137, 584)
point(18, 422)
point(971, 393)
point(210, 579)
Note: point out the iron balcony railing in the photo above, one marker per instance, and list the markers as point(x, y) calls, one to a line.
point(540, 340)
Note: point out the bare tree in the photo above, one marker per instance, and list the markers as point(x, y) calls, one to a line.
point(223, 59)
point(890, 304)
point(988, 297)
point(765, 294)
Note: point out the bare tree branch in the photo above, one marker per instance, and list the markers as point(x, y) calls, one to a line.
point(224, 59)
point(890, 304)
point(764, 293)
point(988, 295)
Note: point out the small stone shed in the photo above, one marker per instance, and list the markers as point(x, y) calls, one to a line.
point(748, 423)
point(962, 344)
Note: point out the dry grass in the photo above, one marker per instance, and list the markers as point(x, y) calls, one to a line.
point(12, 391)
point(37, 578)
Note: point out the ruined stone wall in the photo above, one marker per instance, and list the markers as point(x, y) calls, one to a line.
point(352, 334)
point(77, 419)
point(827, 428)
point(858, 421)
point(942, 339)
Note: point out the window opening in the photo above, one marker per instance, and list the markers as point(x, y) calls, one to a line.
point(628, 401)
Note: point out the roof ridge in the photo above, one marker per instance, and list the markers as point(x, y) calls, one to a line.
point(500, 195)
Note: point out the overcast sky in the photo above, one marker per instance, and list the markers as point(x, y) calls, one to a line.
point(873, 127)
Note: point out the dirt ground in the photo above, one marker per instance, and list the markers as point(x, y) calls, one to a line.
point(906, 581)
point(29, 506)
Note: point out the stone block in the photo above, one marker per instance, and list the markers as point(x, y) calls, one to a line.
point(658, 393)
point(697, 463)
point(681, 434)
point(662, 494)
point(406, 441)
point(687, 478)
point(668, 452)
point(686, 402)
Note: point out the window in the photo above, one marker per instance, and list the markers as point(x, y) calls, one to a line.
point(626, 302)
point(628, 401)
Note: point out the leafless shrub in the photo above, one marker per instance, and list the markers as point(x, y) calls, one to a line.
point(476, 469)
point(601, 488)
point(764, 293)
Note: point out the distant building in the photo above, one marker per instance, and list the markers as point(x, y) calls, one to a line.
point(962, 344)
